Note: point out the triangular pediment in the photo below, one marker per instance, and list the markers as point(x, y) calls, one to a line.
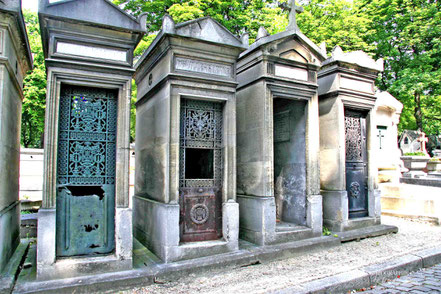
point(102, 12)
point(209, 30)
point(291, 45)
point(293, 48)
point(293, 55)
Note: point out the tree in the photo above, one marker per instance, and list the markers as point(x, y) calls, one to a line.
point(34, 90)
point(337, 22)
point(407, 34)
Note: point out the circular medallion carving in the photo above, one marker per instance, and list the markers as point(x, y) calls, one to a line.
point(354, 189)
point(199, 214)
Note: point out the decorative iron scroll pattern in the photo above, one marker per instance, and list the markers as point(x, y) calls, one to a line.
point(354, 148)
point(201, 127)
point(87, 136)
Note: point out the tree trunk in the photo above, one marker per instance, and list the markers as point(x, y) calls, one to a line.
point(418, 112)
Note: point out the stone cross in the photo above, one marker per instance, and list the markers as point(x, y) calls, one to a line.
point(293, 10)
point(380, 136)
point(423, 140)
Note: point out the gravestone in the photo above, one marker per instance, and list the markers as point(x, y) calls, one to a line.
point(85, 222)
point(15, 62)
point(185, 178)
point(348, 140)
point(387, 116)
point(277, 143)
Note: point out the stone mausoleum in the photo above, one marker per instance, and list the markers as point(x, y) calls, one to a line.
point(85, 210)
point(15, 62)
point(185, 184)
point(348, 143)
point(278, 182)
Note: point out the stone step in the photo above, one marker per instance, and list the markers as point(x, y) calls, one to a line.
point(411, 206)
point(431, 219)
point(299, 233)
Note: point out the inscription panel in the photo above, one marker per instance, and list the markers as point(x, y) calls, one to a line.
point(291, 72)
point(281, 127)
point(356, 85)
point(200, 66)
point(91, 51)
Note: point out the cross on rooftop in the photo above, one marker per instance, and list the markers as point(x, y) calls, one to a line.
point(293, 10)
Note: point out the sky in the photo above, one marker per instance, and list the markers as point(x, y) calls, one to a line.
point(30, 4)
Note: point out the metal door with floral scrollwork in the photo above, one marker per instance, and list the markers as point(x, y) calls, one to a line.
point(200, 170)
point(86, 171)
point(356, 163)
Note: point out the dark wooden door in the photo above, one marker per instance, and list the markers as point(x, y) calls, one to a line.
point(200, 170)
point(356, 163)
point(86, 171)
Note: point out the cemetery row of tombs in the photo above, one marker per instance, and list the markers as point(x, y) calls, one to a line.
point(267, 142)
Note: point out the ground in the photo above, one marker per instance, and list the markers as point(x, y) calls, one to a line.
point(413, 235)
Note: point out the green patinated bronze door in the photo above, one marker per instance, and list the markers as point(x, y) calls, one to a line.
point(86, 171)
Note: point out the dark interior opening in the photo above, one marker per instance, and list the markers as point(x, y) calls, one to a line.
point(199, 163)
point(86, 191)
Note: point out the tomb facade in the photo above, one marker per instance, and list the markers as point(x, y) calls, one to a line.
point(185, 179)
point(348, 142)
point(15, 62)
point(278, 182)
point(85, 222)
point(387, 116)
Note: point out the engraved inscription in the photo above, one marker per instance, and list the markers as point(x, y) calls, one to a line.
point(281, 126)
point(291, 72)
point(202, 67)
point(356, 85)
point(91, 51)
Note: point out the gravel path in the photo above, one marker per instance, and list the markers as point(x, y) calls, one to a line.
point(413, 235)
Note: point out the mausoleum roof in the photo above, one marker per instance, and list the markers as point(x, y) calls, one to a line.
point(359, 58)
point(99, 12)
point(204, 29)
point(286, 34)
point(385, 99)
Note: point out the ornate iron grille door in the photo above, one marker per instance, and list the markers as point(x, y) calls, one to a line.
point(86, 171)
point(356, 163)
point(200, 170)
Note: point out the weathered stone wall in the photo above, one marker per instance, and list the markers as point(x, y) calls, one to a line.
point(254, 162)
point(13, 66)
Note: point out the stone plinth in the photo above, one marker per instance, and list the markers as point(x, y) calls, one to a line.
point(348, 147)
point(415, 165)
point(188, 72)
point(277, 143)
point(15, 62)
point(84, 225)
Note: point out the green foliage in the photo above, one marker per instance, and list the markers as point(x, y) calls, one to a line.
point(407, 35)
point(338, 22)
point(326, 231)
point(34, 102)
